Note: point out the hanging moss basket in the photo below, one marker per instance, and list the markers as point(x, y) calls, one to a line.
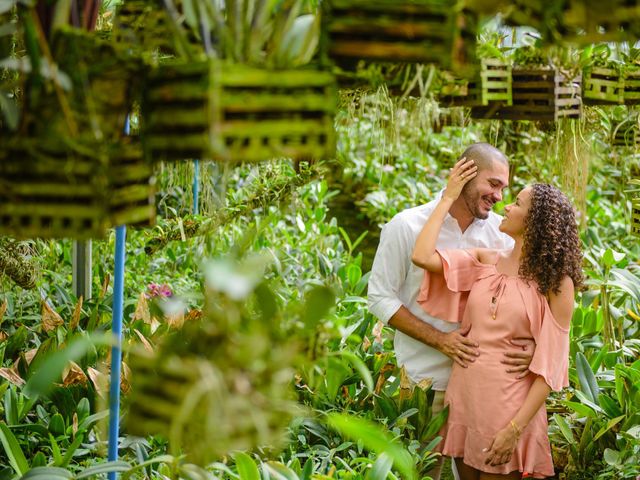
point(237, 113)
point(143, 25)
point(602, 86)
point(491, 85)
point(631, 93)
point(423, 31)
point(98, 84)
point(597, 22)
point(542, 94)
point(626, 135)
point(635, 217)
point(76, 190)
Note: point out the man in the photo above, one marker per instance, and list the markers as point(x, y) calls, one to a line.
point(424, 345)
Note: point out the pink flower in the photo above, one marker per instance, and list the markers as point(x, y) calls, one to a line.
point(158, 290)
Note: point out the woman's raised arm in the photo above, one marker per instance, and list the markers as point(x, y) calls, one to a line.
point(424, 252)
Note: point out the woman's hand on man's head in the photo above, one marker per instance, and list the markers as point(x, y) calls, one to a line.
point(462, 172)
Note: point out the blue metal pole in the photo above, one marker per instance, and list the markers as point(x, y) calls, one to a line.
point(196, 185)
point(116, 351)
point(116, 329)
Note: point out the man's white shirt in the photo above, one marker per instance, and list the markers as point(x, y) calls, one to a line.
point(395, 281)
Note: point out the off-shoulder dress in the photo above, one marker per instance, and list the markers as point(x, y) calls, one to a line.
point(483, 398)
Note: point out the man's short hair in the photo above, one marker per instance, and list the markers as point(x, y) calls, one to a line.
point(484, 154)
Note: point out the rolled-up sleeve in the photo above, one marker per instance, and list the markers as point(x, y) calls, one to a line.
point(389, 271)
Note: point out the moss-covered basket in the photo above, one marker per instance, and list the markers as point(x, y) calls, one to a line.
point(491, 85)
point(542, 94)
point(236, 113)
point(423, 31)
point(70, 171)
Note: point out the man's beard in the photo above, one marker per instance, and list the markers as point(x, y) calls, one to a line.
point(472, 200)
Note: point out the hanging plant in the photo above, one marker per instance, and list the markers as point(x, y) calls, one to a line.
point(603, 77)
point(240, 99)
point(223, 382)
point(420, 31)
point(70, 171)
point(541, 90)
point(492, 82)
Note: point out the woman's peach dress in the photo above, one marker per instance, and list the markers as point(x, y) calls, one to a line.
point(483, 398)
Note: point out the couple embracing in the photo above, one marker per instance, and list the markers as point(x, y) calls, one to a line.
point(481, 305)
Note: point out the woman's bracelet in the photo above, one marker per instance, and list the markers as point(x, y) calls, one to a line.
point(517, 430)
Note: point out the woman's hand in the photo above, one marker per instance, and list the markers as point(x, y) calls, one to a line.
point(502, 447)
point(463, 171)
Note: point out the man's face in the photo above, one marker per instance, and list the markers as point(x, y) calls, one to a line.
point(481, 193)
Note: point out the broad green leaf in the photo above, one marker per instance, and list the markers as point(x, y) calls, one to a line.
point(612, 457)
point(71, 449)
point(358, 364)
point(47, 473)
point(381, 468)
point(583, 398)
point(247, 468)
point(436, 423)
point(374, 438)
point(13, 451)
point(580, 408)
point(278, 471)
point(588, 382)
point(610, 406)
point(611, 257)
point(610, 424)
point(565, 429)
point(50, 371)
point(307, 470)
point(117, 466)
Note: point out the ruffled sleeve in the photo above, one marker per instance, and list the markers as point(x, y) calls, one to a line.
point(551, 358)
point(444, 296)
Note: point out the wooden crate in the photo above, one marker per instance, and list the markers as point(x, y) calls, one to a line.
point(531, 13)
point(73, 190)
point(103, 81)
point(626, 134)
point(423, 31)
point(635, 217)
point(144, 24)
point(541, 94)
point(631, 92)
point(596, 22)
point(602, 86)
point(237, 113)
point(492, 84)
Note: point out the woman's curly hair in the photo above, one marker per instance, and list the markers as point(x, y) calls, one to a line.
point(551, 248)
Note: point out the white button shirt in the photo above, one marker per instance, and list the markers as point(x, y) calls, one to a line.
point(395, 281)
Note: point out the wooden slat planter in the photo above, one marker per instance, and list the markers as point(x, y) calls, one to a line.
point(635, 217)
point(143, 23)
point(631, 93)
point(103, 81)
point(238, 113)
point(492, 84)
point(527, 13)
point(626, 135)
point(423, 31)
point(538, 94)
point(602, 86)
point(73, 191)
point(596, 22)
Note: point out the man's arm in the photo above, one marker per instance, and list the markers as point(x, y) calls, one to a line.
point(455, 344)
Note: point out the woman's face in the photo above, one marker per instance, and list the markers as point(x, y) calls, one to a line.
point(515, 213)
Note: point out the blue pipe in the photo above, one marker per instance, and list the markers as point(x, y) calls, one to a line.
point(116, 351)
point(116, 329)
point(196, 186)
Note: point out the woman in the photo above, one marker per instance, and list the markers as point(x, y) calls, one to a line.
point(497, 425)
